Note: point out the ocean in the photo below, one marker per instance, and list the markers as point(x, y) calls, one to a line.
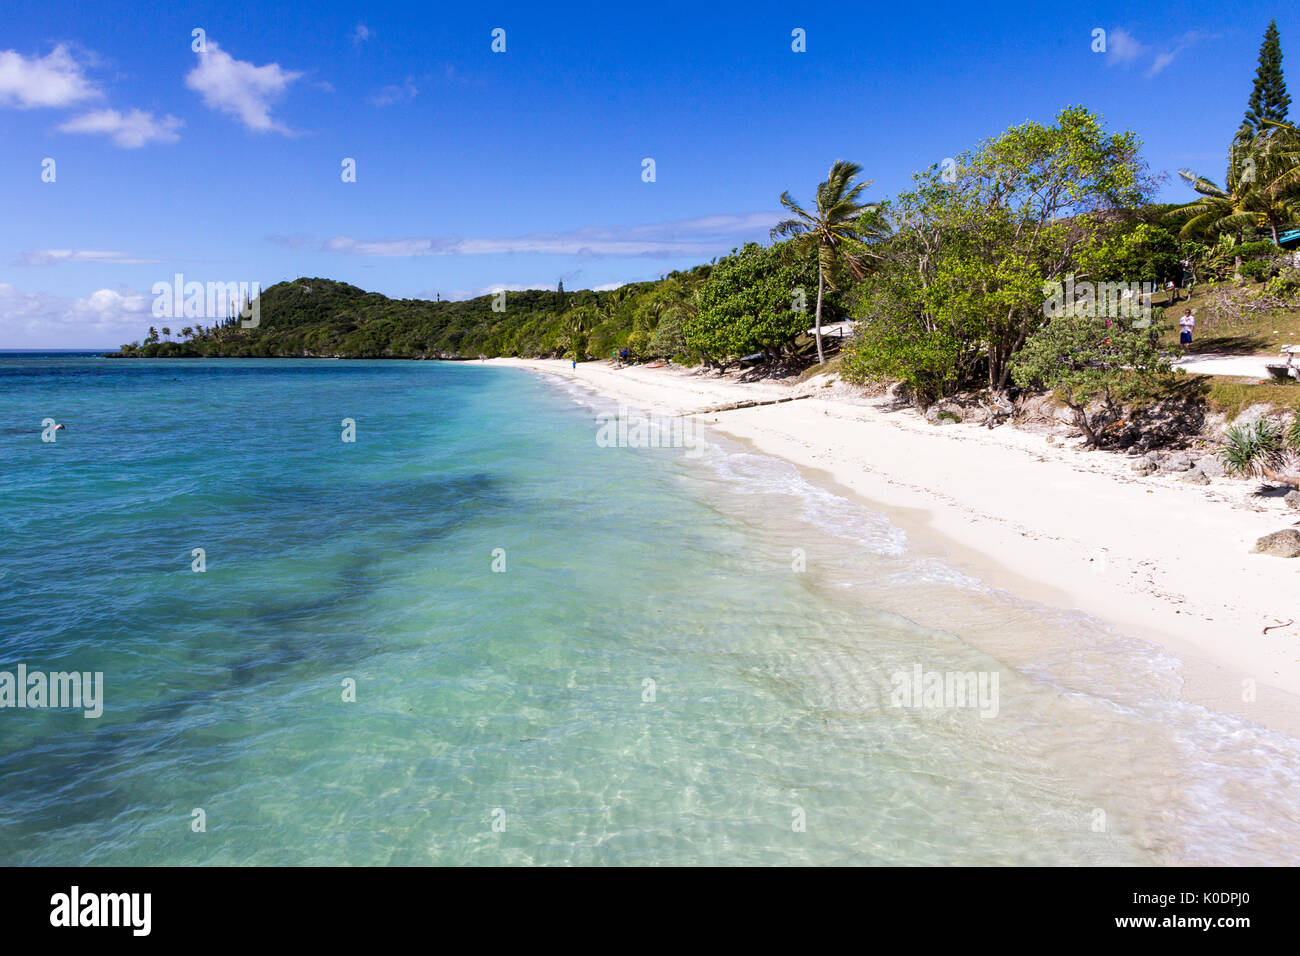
point(415, 613)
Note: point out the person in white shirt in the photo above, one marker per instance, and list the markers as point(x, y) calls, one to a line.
point(1185, 325)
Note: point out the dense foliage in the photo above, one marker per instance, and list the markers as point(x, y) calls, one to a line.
point(754, 301)
point(321, 317)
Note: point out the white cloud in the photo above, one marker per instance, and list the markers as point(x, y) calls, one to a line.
point(1166, 57)
point(48, 257)
point(102, 319)
point(396, 94)
point(1123, 47)
point(130, 130)
point(702, 237)
point(362, 33)
point(240, 88)
point(54, 80)
point(510, 287)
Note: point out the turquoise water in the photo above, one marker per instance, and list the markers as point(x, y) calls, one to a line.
point(505, 716)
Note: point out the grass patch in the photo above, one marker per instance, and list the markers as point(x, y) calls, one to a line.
point(830, 366)
point(1253, 336)
point(1232, 396)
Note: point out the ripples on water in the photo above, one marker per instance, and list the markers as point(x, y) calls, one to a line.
point(521, 696)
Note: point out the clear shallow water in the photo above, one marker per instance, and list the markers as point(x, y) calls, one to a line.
point(522, 692)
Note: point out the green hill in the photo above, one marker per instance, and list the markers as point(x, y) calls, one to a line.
point(316, 317)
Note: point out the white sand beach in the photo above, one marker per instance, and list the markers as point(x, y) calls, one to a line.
point(1158, 558)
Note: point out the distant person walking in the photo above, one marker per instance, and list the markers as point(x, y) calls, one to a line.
point(1172, 291)
point(1185, 325)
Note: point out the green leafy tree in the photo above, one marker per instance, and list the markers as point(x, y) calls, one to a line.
point(748, 304)
point(831, 228)
point(1146, 253)
point(897, 339)
point(579, 321)
point(1085, 360)
point(668, 307)
point(959, 272)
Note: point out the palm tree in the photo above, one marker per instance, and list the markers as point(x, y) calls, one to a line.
point(828, 229)
point(578, 321)
point(1220, 209)
point(1283, 168)
point(1261, 188)
point(166, 332)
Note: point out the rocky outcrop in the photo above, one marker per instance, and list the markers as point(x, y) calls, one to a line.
point(1282, 544)
point(1210, 467)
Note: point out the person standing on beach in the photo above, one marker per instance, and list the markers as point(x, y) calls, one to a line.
point(1185, 325)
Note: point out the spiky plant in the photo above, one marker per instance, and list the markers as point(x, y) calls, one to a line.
point(1293, 433)
point(1251, 450)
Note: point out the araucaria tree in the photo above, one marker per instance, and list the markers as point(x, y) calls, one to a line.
point(1262, 159)
point(831, 228)
point(1269, 99)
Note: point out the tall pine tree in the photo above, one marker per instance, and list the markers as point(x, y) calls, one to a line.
point(1269, 99)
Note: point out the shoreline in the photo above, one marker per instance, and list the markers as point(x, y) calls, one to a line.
point(1157, 560)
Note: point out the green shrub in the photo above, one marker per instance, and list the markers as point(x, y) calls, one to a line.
point(1248, 449)
point(1258, 269)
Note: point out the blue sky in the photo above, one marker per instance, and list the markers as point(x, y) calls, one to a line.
point(479, 170)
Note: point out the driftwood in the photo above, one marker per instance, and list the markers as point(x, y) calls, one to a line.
point(1272, 475)
point(734, 405)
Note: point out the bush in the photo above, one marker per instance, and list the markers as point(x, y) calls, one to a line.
point(1085, 359)
point(668, 341)
point(886, 349)
point(747, 304)
point(1258, 269)
point(1255, 250)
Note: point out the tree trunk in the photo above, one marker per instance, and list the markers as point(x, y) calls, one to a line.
point(817, 326)
point(1085, 426)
